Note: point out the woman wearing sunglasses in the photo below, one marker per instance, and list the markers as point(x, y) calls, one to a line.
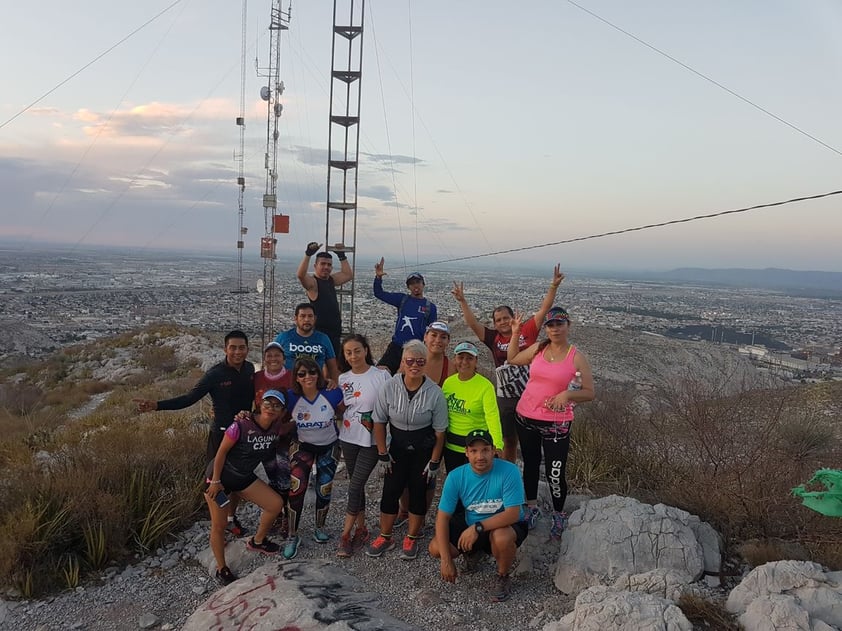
point(559, 378)
point(313, 407)
point(243, 446)
point(415, 411)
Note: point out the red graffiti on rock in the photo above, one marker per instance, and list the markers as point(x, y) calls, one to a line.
point(239, 611)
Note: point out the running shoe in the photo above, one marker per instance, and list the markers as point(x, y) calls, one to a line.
point(559, 525)
point(402, 519)
point(471, 561)
point(291, 547)
point(320, 536)
point(409, 548)
point(360, 538)
point(235, 527)
point(533, 514)
point(265, 547)
point(225, 576)
point(346, 547)
point(502, 589)
point(379, 546)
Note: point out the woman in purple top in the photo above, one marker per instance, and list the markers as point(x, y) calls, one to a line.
point(244, 445)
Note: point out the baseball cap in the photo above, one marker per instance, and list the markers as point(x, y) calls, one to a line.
point(440, 326)
point(466, 347)
point(276, 394)
point(556, 314)
point(479, 434)
point(413, 277)
point(274, 345)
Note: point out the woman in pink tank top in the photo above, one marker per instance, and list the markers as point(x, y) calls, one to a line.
point(559, 378)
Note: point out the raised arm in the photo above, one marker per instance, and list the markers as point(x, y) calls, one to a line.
point(458, 292)
point(307, 281)
point(549, 297)
point(525, 356)
point(345, 272)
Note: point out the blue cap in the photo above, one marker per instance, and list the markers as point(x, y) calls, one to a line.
point(414, 277)
point(276, 394)
point(466, 347)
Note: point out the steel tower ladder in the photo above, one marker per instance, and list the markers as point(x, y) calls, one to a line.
point(343, 143)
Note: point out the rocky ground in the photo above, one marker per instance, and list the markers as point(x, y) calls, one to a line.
point(161, 591)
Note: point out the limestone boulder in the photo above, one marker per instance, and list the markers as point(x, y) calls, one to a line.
point(307, 594)
point(614, 536)
point(237, 556)
point(601, 608)
point(788, 595)
point(666, 583)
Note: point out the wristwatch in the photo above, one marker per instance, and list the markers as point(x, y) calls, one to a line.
point(479, 527)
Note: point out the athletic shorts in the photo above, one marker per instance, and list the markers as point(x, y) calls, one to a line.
point(483, 542)
point(232, 481)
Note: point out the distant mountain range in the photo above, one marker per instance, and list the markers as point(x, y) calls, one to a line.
point(796, 282)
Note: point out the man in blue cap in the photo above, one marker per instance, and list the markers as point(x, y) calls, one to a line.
point(415, 313)
point(481, 511)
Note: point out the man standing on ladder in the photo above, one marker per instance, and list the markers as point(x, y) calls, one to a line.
point(321, 289)
point(415, 314)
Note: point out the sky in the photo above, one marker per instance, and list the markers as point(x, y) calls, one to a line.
point(485, 126)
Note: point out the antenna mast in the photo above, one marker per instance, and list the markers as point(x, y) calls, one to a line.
point(273, 223)
point(241, 179)
point(344, 141)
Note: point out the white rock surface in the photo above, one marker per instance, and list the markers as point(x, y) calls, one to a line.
point(294, 595)
point(603, 609)
point(614, 536)
point(662, 582)
point(788, 595)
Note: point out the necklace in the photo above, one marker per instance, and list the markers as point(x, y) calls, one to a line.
point(551, 357)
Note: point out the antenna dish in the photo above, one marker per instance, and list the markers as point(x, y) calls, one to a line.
point(260, 285)
point(265, 93)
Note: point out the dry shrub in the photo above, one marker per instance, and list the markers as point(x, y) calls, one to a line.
point(20, 399)
point(159, 360)
point(706, 613)
point(114, 486)
point(730, 459)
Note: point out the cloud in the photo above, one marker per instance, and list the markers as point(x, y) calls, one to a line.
point(392, 159)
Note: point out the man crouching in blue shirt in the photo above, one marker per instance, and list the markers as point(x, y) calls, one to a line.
point(492, 520)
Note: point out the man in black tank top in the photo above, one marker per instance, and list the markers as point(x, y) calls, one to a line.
point(321, 289)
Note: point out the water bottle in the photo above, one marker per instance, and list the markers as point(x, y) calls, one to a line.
point(575, 384)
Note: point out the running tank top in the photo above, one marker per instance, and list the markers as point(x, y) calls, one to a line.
point(444, 375)
point(547, 379)
point(326, 307)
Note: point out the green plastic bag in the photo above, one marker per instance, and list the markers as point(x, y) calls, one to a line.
point(827, 502)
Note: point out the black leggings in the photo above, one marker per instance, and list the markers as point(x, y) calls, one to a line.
point(555, 460)
point(407, 472)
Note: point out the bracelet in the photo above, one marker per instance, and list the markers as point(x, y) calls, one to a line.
point(214, 481)
point(554, 285)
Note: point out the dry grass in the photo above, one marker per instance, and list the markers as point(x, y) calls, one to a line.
point(78, 494)
point(703, 613)
point(731, 460)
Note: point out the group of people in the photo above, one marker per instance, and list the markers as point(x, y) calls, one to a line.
point(413, 411)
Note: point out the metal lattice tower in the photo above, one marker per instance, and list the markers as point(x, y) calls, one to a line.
point(343, 142)
point(239, 156)
point(271, 93)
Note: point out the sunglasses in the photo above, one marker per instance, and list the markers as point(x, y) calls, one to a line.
point(303, 373)
point(275, 405)
point(415, 361)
